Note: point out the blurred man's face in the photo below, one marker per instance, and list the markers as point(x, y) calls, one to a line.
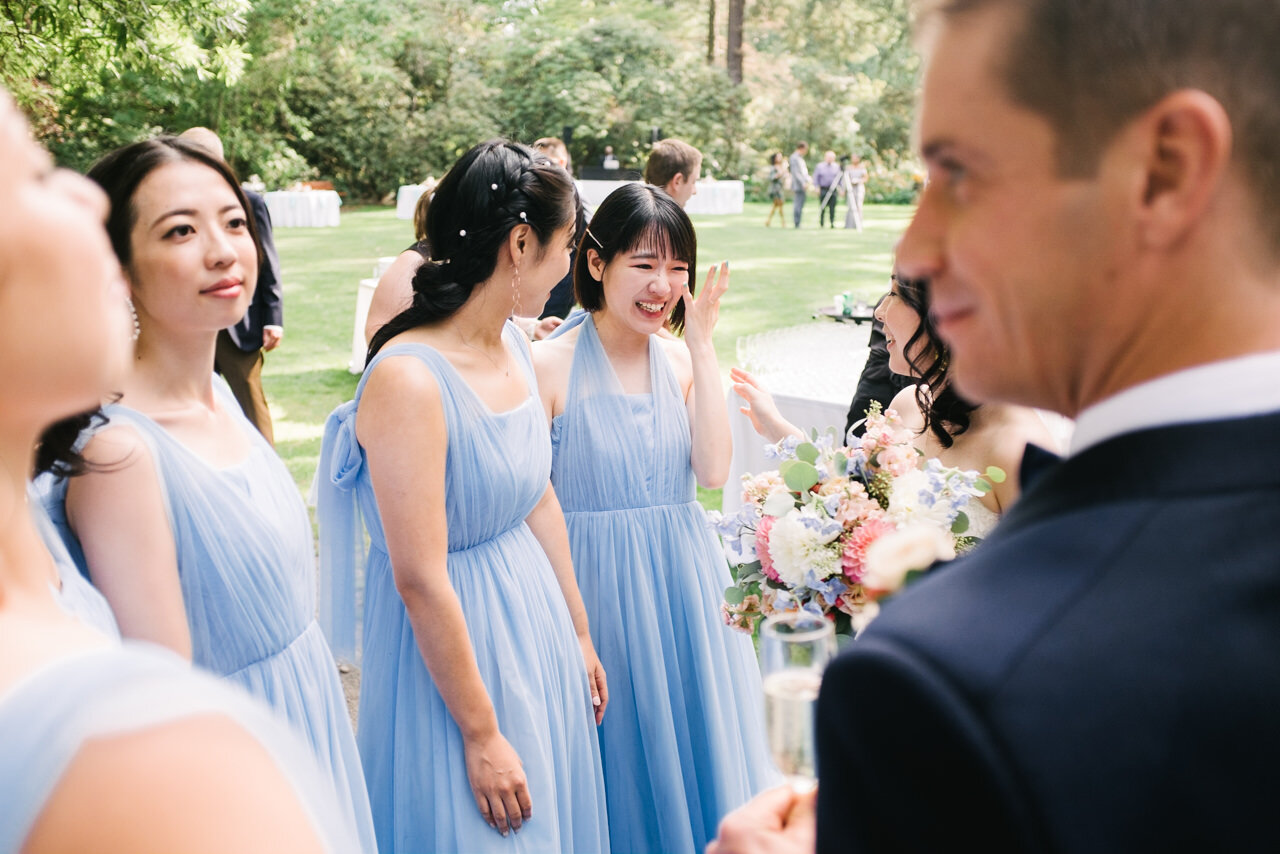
point(1023, 283)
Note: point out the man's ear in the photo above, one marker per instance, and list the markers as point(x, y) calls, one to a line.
point(595, 265)
point(1186, 140)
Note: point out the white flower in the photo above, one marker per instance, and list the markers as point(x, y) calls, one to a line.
point(891, 557)
point(799, 542)
point(779, 504)
point(914, 498)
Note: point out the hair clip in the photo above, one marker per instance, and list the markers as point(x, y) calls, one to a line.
point(462, 232)
point(596, 239)
point(493, 186)
point(524, 217)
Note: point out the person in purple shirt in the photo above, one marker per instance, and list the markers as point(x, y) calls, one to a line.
point(826, 176)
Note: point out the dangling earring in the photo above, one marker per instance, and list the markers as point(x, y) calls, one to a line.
point(515, 292)
point(133, 312)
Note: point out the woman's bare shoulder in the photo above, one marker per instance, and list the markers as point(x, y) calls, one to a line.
point(200, 784)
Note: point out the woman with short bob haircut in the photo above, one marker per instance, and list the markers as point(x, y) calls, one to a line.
point(637, 418)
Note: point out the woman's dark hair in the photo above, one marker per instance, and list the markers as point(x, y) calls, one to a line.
point(493, 188)
point(635, 216)
point(946, 414)
point(121, 171)
point(119, 174)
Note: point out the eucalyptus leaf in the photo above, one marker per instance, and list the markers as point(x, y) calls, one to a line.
point(995, 474)
point(961, 524)
point(798, 475)
point(807, 452)
point(734, 595)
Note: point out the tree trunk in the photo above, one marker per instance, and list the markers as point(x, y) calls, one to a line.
point(711, 32)
point(733, 58)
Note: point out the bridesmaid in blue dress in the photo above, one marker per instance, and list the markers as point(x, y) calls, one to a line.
point(185, 518)
point(636, 416)
point(107, 748)
point(479, 677)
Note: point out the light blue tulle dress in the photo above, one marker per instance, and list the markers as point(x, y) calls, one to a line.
point(496, 470)
point(76, 595)
point(246, 564)
point(683, 740)
point(118, 689)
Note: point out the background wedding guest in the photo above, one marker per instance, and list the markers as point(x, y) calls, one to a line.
point(109, 748)
point(239, 357)
point(610, 160)
point(636, 420)
point(674, 166)
point(560, 302)
point(394, 290)
point(777, 175)
point(479, 674)
point(186, 519)
point(855, 190)
point(826, 177)
point(1057, 689)
point(799, 178)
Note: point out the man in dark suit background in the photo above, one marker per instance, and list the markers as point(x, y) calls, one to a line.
point(239, 355)
point(1101, 230)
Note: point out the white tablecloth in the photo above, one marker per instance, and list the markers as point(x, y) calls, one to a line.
point(812, 372)
point(713, 197)
point(303, 209)
point(407, 199)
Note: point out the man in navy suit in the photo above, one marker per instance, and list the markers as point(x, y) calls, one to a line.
point(239, 354)
point(1101, 229)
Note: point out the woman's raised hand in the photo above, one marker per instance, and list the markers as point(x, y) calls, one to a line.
point(702, 311)
point(760, 408)
point(498, 782)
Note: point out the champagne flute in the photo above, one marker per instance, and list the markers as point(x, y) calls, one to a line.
point(794, 649)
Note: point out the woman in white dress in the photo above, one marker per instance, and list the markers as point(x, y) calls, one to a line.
point(948, 428)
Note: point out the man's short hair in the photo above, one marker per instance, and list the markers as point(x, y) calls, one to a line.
point(669, 158)
point(554, 147)
point(205, 137)
point(1091, 66)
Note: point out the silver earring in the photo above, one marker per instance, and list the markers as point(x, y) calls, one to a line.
point(133, 312)
point(515, 291)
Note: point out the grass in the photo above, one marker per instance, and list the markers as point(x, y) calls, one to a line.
point(780, 276)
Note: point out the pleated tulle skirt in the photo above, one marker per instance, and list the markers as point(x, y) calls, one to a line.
point(532, 667)
point(301, 684)
point(683, 740)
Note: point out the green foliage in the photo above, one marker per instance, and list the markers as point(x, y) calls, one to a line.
point(798, 475)
point(374, 93)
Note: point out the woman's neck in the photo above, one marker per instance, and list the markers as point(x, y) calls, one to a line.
point(171, 369)
point(481, 319)
point(621, 342)
point(24, 560)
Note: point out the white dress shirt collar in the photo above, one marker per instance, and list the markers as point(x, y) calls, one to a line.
point(1235, 388)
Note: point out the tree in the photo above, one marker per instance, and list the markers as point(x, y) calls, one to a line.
point(733, 56)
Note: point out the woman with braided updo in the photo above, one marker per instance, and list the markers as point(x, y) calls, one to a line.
point(481, 688)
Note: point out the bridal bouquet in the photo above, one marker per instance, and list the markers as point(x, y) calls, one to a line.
point(836, 528)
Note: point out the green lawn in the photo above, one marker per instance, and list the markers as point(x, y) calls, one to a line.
point(780, 275)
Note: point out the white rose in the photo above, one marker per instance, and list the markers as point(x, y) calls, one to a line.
point(891, 557)
point(912, 499)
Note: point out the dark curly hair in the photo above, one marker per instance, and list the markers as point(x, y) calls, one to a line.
point(946, 414)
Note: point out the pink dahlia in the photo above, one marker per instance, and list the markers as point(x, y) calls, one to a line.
point(762, 546)
point(854, 559)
